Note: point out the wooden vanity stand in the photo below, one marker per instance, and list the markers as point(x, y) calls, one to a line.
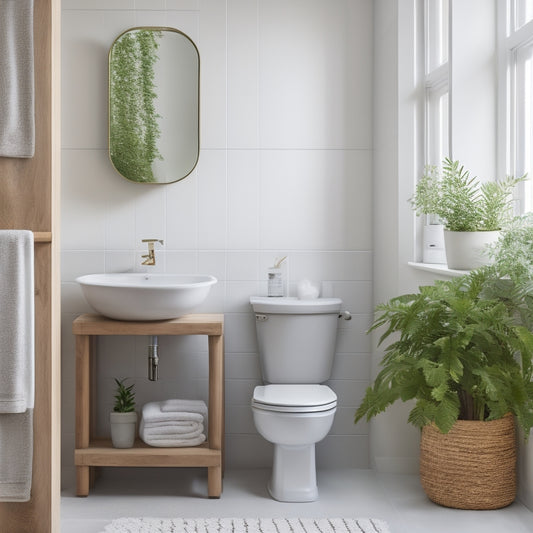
point(91, 452)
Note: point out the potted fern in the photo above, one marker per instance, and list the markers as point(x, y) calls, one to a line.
point(472, 213)
point(123, 418)
point(467, 364)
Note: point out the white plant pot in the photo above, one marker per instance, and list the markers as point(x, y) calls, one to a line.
point(123, 429)
point(466, 250)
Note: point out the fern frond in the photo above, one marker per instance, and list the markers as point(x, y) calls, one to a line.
point(447, 412)
point(422, 414)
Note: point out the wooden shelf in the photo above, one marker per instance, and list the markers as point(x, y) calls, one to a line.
point(195, 324)
point(102, 453)
point(91, 452)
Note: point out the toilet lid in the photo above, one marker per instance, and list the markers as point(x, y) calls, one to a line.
point(294, 398)
point(289, 305)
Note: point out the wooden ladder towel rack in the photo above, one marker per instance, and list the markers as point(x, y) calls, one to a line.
point(29, 199)
point(42, 236)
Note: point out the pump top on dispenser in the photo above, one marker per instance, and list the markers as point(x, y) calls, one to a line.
point(275, 279)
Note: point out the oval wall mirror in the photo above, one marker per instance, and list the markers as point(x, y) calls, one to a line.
point(154, 81)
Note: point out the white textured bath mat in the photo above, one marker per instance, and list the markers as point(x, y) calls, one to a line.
point(247, 525)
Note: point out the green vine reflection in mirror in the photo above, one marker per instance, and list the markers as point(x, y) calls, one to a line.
point(133, 121)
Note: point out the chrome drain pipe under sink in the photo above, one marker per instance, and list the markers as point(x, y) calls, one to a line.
point(153, 358)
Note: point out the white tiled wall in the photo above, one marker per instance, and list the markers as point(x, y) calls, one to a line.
point(284, 169)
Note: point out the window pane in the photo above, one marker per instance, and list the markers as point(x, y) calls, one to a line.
point(437, 127)
point(523, 12)
point(524, 118)
point(436, 33)
point(443, 118)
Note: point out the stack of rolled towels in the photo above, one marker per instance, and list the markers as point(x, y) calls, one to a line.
point(173, 423)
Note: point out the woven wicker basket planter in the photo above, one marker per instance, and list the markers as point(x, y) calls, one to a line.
point(471, 467)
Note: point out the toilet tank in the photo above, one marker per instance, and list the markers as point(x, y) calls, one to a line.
point(296, 338)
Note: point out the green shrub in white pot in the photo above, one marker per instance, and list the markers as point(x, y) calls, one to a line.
point(472, 213)
point(123, 418)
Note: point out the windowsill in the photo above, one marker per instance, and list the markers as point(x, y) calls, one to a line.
point(441, 269)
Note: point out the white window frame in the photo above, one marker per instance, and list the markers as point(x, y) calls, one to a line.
point(515, 115)
point(436, 81)
point(437, 116)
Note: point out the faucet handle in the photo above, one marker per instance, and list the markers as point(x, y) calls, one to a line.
point(160, 241)
point(150, 257)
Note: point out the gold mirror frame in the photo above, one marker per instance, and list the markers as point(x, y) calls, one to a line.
point(140, 131)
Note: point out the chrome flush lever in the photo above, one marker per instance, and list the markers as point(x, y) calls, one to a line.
point(346, 315)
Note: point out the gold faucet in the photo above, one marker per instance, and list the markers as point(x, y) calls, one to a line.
point(150, 256)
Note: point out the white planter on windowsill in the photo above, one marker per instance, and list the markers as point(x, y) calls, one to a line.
point(466, 250)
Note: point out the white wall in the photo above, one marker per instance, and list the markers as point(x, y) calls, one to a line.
point(394, 444)
point(285, 169)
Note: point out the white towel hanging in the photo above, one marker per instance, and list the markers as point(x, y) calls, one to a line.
point(17, 381)
point(17, 364)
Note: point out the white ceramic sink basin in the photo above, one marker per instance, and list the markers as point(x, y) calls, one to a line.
point(132, 296)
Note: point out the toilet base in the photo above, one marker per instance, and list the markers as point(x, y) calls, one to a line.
point(294, 474)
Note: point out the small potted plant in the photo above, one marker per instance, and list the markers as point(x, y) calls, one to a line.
point(472, 213)
point(123, 418)
point(461, 355)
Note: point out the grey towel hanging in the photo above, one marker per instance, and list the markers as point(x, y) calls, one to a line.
point(17, 108)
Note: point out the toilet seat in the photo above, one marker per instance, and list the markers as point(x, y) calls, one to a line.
point(294, 398)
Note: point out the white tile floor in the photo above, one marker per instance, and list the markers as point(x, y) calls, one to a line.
point(397, 499)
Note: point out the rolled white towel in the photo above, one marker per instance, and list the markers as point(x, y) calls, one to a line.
point(188, 406)
point(170, 431)
point(179, 428)
point(160, 436)
point(172, 436)
point(188, 418)
point(151, 413)
point(174, 442)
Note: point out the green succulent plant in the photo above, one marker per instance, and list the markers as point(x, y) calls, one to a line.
point(460, 201)
point(124, 397)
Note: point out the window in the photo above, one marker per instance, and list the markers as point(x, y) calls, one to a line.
point(523, 12)
point(457, 92)
point(436, 29)
point(436, 89)
point(436, 80)
point(516, 94)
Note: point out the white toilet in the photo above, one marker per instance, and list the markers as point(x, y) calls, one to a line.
point(292, 410)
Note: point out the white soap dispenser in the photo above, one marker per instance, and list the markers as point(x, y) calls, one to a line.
point(275, 279)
